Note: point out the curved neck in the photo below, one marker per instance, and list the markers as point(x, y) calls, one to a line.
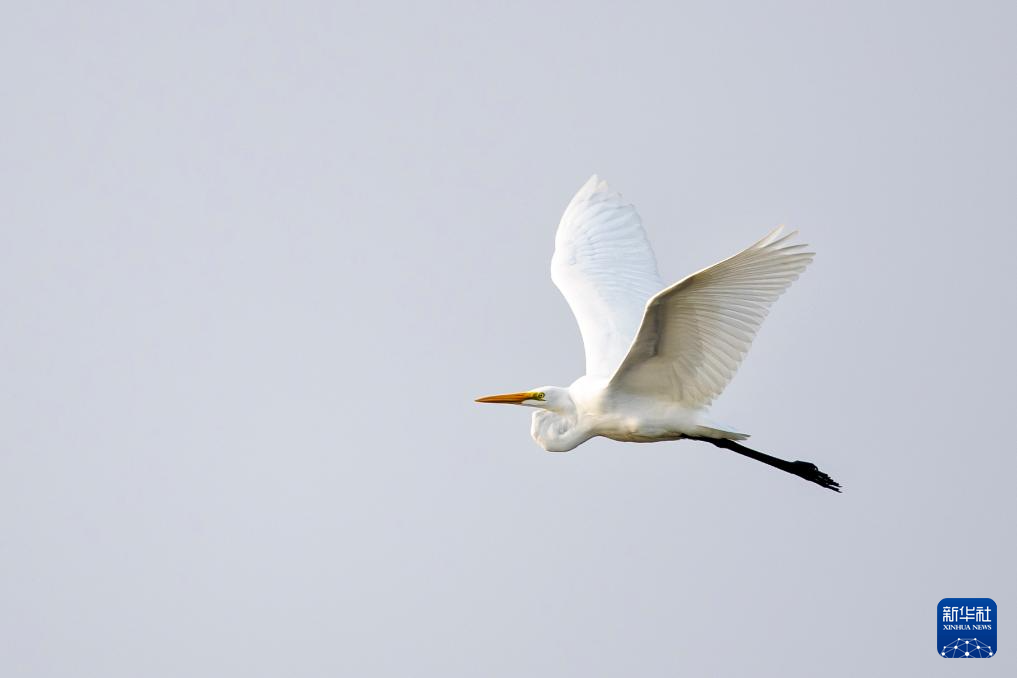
point(558, 431)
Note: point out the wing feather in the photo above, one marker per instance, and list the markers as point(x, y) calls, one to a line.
point(694, 334)
point(604, 266)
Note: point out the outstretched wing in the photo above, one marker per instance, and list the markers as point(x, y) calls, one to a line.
point(695, 333)
point(604, 266)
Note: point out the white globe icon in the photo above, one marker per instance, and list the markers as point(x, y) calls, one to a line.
point(966, 647)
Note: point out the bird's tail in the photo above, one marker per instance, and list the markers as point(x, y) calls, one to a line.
point(712, 429)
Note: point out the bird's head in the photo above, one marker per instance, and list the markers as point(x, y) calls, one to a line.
point(553, 398)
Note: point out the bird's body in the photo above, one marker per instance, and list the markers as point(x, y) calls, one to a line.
point(656, 356)
point(591, 408)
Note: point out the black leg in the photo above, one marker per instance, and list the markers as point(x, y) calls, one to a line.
point(802, 469)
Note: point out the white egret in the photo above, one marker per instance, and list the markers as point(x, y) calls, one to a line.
point(656, 357)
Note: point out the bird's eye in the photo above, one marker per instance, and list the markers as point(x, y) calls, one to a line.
point(540, 395)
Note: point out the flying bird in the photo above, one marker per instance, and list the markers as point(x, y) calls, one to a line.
point(656, 356)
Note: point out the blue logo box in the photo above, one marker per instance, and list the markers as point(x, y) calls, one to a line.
point(967, 628)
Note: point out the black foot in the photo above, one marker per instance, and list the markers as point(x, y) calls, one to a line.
point(811, 472)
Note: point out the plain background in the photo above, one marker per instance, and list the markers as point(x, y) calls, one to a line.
point(257, 259)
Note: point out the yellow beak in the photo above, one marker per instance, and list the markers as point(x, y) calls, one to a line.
point(513, 398)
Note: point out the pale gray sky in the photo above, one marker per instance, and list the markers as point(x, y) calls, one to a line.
point(256, 259)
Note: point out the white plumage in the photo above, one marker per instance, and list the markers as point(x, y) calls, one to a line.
point(605, 267)
point(656, 357)
point(695, 333)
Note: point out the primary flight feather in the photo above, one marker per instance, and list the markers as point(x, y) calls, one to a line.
point(656, 356)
